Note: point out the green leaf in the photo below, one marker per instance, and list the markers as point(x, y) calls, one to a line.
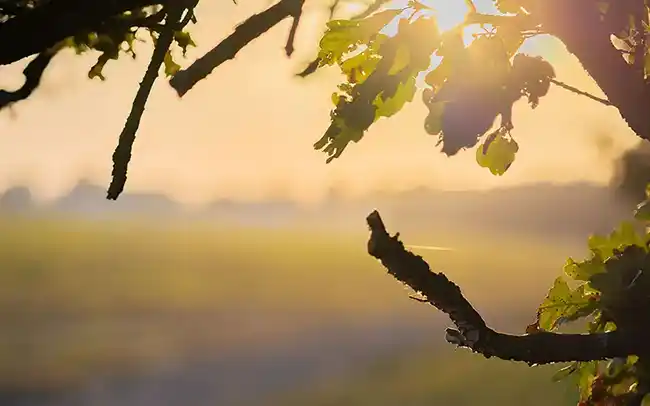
point(583, 271)
point(184, 40)
point(600, 246)
point(401, 60)
point(359, 67)
point(404, 94)
point(497, 152)
point(508, 6)
point(565, 372)
point(433, 122)
point(624, 236)
point(563, 305)
point(615, 366)
point(343, 36)
point(599, 324)
point(585, 374)
point(337, 138)
point(171, 67)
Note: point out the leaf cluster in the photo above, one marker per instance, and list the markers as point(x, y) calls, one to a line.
point(465, 92)
point(611, 294)
point(119, 35)
point(381, 71)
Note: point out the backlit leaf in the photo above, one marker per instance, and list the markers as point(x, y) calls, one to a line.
point(497, 153)
point(390, 106)
point(563, 305)
point(642, 211)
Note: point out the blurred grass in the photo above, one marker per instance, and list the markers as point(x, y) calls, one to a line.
point(74, 266)
point(79, 296)
point(426, 377)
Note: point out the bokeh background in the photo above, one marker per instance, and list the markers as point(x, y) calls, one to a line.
point(233, 270)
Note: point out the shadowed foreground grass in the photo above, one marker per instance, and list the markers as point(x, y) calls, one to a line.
point(81, 299)
point(443, 376)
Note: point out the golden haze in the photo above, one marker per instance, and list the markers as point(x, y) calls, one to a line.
point(247, 131)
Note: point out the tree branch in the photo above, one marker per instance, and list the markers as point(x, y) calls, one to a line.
point(291, 38)
point(33, 73)
point(38, 29)
point(472, 332)
point(579, 26)
point(184, 80)
point(581, 92)
point(122, 154)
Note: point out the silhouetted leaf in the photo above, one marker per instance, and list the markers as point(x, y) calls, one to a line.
point(391, 105)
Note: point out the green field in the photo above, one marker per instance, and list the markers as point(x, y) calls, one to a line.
point(429, 377)
point(79, 298)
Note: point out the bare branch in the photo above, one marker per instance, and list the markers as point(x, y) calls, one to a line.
point(33, 73)
point(122, 154)
point(34, 31)
point(291, 38)
point(309, 69)
point(578, 25)
point(252, 28)
point(472, 332)
point(581, 92)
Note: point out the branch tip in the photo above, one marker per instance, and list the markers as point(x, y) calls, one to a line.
point(471, 330)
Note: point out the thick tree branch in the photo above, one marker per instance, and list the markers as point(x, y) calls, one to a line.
point(122, 154)
point(472, 332)
point(256, 25)
point(579, 26)
point(33, 73)
point(37, 30)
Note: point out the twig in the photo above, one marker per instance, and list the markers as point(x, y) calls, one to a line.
point(33, 73)
point(581, 92)
point(37, 29)
point(472, 332)
point(256, 25)
point(309, 69)
point(291, 38)
point(333, 8)
point(122, 154)
point(315, 63)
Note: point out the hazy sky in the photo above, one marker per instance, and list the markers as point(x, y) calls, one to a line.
point(247, 131)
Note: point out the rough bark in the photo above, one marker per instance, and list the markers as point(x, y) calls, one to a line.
point(39, 29)
point(586, 35)
point(471, 330)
